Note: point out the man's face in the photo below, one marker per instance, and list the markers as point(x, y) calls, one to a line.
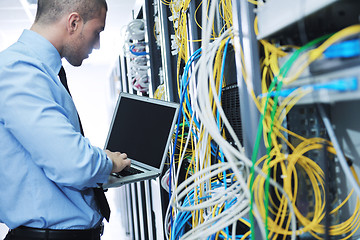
point(85, 40)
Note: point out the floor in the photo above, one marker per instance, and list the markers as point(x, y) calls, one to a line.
point(115, 228)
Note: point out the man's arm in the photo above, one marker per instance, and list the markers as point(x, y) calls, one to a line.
point(42, 121)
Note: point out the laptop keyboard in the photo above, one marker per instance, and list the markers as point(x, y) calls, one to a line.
point(127, 172)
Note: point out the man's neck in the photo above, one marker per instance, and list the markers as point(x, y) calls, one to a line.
point(53, 33)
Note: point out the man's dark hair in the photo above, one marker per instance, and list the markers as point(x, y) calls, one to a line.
point(50, 11)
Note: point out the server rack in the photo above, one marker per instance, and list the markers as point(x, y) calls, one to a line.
point(279, 22)
point(300, 23)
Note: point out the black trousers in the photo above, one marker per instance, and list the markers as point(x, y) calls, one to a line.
point(26, 233)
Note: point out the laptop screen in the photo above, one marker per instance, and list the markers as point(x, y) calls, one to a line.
point(141, 128)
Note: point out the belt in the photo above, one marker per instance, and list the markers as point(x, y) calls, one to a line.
point(23, 232)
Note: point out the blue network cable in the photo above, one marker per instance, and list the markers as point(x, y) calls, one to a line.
point(193, 57)
point(222, 76)
point(181, 219)
point(185, 82)
point(183, 87)
point(218, 116)
point(345, 49)
point(339, 85)
point(131, 49)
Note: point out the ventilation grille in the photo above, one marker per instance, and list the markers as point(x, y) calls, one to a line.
point(231, 106)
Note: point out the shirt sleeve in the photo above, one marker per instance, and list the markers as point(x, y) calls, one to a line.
point(43, 119)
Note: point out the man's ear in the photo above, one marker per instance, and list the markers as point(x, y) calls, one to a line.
point(73, 22)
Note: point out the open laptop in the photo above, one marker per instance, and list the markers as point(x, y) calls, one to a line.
point(142, 128)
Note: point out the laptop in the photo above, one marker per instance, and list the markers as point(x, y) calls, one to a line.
point(141, 127)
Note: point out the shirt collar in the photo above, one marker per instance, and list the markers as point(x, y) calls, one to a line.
point(42, 49)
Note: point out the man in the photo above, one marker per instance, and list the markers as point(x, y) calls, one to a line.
point(48, 171)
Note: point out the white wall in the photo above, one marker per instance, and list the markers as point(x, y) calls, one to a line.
point(89, 87)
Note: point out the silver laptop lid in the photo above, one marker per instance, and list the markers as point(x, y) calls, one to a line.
point(142, 128)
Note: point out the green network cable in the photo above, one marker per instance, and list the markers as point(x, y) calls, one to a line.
point(283, 72)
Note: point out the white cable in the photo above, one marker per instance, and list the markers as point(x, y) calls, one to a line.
point(248, 162)
point(233, 232)
point(215, 199)
point(339, 152)
point(181, 161)
point(164, 181)
point(199, 88)
point(203, 104)
point(210, 172)
point(175, 179)
point(218, 223)
point(136, 30)
point(202, 87)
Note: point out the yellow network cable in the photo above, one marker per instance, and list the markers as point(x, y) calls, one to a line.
point(314, 184)
point(225, 11)
point(253, 2)
point(195, 14)
point(198, 216)
point(154, 32)
point(286, 165)
point(246, 235)
point(291, 165)
point(165, 2)
point(203, 140)
point(317, 52)
point(160, 92)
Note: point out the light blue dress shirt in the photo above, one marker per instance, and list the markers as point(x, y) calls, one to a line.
point(47, 168)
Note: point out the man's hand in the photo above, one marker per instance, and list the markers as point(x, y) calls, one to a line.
point(120, 160)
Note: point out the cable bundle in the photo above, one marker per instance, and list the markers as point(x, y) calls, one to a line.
point(137, 56)
point(292, 160)
point(135, 30)
point(222, 190)
point(214, 196)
